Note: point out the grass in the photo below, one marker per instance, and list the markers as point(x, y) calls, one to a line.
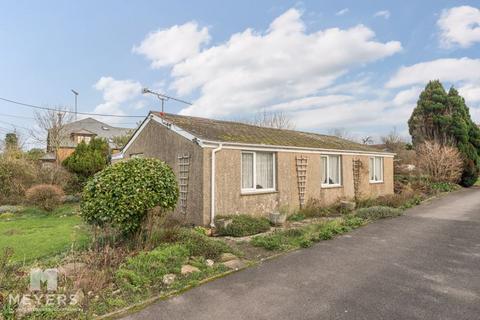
point(35, 234)
point(477, 183)
point(304, 237)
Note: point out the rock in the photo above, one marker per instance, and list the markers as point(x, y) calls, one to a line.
point(78, 298)
point(223, 223)
point(71, 268)
point(227, 256)
point(348, 205)
point(187, 269)
point(235, 264)
point(277, 218)
point(25, 307)
point(169, 278)
point(209, 263)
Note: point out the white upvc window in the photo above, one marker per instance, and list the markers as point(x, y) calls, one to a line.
point(331, 169)
point(258, 171)
point(375, 167)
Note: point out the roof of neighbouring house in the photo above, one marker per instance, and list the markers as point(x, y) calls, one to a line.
point(90, 126)
point(236, 132)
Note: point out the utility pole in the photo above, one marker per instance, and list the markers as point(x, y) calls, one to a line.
point(76, 95)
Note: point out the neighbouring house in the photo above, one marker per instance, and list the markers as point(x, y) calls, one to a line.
point(82, 130)
point(226, 168)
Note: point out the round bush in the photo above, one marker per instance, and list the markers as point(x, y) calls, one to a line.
point(45, 196)
point(121, 195)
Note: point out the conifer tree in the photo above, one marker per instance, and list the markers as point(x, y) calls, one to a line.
point(445, 118)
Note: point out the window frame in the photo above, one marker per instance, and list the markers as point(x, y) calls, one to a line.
point(382, 164)
point(254, 189)
point(340, 171)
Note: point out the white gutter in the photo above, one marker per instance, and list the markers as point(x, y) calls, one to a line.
point(212, 185)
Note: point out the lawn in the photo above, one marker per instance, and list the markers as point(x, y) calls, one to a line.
point(34, 234)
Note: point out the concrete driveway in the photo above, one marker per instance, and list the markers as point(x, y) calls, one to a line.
point(424, 265)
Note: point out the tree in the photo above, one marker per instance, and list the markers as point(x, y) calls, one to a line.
point(274, 119)
point(441, 163)
point(50, 128)
point(88, 159)
point(444, 118)
point(122, 195)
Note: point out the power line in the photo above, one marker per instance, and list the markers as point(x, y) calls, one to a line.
point(67, 111)
point(14, 125)
point(16, 116)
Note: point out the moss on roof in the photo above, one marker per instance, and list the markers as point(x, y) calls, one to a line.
point(229, 131)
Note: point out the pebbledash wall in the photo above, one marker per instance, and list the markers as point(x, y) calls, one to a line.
point(158, 141)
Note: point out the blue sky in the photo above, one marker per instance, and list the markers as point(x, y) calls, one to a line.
point(357, 65)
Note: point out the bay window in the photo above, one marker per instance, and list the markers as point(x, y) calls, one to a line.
point(331, 170)
point(376, 169)
point(258, 171)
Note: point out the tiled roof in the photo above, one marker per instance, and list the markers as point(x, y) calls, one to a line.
point(91, 126)
point(229, 131)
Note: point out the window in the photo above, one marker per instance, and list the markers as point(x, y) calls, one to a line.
point(375, 167)
point(258, 171)
point(331, 170)
point(81, 138)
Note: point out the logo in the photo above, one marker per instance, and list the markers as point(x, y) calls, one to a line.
point(48, 276)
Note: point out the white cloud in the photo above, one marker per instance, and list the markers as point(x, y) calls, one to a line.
point(255, 70)
point(115, 93)
point(382, 13)
point(169, 46)
point(459, 25)
point(310, 102)
point(449, 70)
point(342, 12)
point(408, 96)
point(463, 73)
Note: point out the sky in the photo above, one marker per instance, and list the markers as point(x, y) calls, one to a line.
point(358, 66)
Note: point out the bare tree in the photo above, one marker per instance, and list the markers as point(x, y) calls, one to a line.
point(367, 140)
point(50, 128)
point(274, 119)
point(440, 163)
point(393, 141)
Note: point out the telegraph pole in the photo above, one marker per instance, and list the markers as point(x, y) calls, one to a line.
point(76, 95)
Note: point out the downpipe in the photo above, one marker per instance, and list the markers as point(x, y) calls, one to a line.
point(212, 186)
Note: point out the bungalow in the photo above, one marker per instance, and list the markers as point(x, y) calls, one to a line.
point(226, 168)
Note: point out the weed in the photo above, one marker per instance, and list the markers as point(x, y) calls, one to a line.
point(378, 212)
point(296, 217)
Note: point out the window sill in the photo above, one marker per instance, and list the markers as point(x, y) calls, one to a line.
point(331, 186)
point(254, 192)
point(376, 182)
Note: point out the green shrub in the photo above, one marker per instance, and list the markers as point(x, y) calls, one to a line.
point(202, 245)
point(198, 244)
point(244, 225)
point(88, 158)
point(45, 196)
point(379, 212)
point(121, 195)
point(272, 241)
point(296, 217)
point(148, 268)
